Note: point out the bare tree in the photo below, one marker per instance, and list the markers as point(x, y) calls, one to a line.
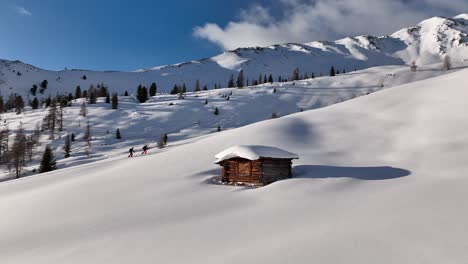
point(52, 119)
point(60, 118)
point(67, 146)
point(414, 67)
point(29, 146)
point(83, 110)
point(447, 63)
point(17, 153)
point(4, 135)
point(87, 135)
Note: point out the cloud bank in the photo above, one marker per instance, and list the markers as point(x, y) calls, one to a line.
point(23, 11)
point(308, 20)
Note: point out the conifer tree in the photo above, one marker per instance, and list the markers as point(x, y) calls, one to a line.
point(175, 89)
point(35, 103)
point(216, 111)
point(240, 79)
point(48, 161)
point(184, 88)
point(153, 89)
point(265, 80)
point(92, 95)
point(231, 81)
point(117, 134)
point(69, 98)
point(78, 93)
point(2, 105)
point(115, 101)
point(260, 79)
point(270, 79)
point(19, 104)
point(67, 146)
point(34, 90)
point(72, 138)
point(219, 128)
point(205, 87)
point(44, 85)
point(332, 71)
point(108, 100)
point(142, 94)
point(197, 86)
point(126, 93)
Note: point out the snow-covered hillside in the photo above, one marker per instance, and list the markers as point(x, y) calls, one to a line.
point(380, 179)
point(424, 43)
point(194, 116)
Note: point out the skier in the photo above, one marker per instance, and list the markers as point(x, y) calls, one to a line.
point(145, 149)
point(131, 152)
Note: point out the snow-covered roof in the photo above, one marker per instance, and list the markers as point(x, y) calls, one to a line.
point(254, 153)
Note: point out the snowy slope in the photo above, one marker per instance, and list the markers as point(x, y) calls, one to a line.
point(380, 179)
point(142, 124)
point(424, 43)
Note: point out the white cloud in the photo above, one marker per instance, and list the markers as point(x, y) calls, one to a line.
point(307, 20)
point(23, 11)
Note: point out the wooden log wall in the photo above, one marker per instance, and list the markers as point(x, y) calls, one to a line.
point(263, 171)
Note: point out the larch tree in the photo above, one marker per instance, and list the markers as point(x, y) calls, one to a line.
point(296, 73)
point(18, 152)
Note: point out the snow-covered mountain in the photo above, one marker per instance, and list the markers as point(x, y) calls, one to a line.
point(181, 119)
point(424, 43)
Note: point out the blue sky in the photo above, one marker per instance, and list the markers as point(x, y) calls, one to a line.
point(134, 34)
point(108, 34)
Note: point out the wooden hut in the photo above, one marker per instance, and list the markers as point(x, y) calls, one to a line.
point(255, 165)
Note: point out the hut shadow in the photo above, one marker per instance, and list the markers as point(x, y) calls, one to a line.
point(360, 173)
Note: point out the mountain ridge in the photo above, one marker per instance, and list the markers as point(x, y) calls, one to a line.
point(424, 43)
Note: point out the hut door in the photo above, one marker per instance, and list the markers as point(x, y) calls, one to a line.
point(244, 168)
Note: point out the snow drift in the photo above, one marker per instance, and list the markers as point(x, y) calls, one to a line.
point(381, 179)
